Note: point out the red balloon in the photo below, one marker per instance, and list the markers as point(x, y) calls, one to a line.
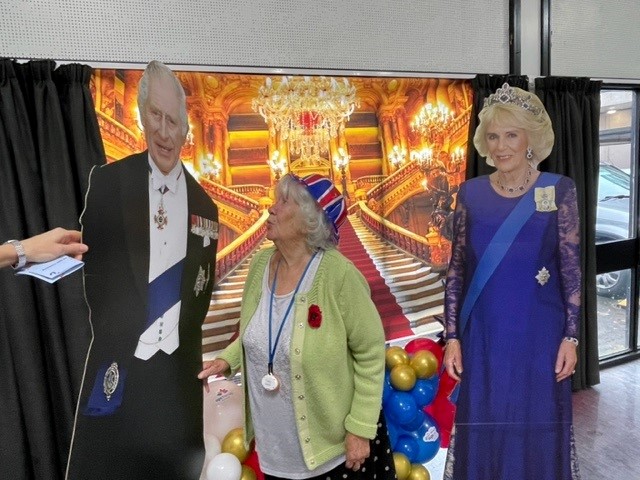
point(447, 385)
point(422, 343)
point(443, 412)
point(253, 462)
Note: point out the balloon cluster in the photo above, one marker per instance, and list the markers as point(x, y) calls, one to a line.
point(417, 405)
point(227, 457)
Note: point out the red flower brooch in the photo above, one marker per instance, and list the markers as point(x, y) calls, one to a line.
point(315, 316)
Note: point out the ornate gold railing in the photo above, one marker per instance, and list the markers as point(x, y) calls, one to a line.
point(369, 181)
point(121, 140)
point(251, 190)
point(392, 182)
point(228, 196)
point(233, 254)
point(404, 239)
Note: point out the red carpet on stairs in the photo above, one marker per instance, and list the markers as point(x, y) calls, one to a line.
point(394, 322)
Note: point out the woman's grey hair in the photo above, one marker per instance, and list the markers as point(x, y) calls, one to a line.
point(319, 232)
point(536, 125)
point(155, 70)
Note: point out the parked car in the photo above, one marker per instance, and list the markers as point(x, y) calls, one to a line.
point(613, 223)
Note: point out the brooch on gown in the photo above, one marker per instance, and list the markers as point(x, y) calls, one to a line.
point(545, 198)
point(543, 276)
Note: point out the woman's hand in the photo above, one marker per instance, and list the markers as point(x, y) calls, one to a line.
point(53, 244)
point(215, 367)
point(566, 361)
point(358, 450)
point(453, 359)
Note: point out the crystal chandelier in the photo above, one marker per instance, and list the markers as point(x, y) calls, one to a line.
point(457, 158)
point(307, 111)
point(431, 121)
point(424, 158)
point(277, 165)
point(211, 167)
point(341, 160)
point(397, 156)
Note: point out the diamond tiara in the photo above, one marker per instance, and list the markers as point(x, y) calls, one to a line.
point(508, 94)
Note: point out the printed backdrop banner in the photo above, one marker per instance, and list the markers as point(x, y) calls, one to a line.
point(396, 148)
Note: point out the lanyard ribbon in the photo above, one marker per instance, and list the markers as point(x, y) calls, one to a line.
point(272, 349)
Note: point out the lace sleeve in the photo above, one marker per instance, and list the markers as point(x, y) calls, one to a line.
point(569, 250)
point(456, 271)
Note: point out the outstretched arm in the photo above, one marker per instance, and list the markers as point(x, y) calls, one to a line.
point(44, 247)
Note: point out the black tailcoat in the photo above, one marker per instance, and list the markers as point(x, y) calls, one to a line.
point(156, 432)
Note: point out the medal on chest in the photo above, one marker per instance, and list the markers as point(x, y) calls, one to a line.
point(160, 218)
point(270, 382)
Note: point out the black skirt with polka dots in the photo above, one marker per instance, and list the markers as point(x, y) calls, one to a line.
point(379, 465)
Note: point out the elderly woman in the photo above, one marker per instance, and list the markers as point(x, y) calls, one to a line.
point(512, 303)
point(311, 346)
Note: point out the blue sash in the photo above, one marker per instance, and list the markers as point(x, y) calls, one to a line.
point(499, 245)
point(164, 292)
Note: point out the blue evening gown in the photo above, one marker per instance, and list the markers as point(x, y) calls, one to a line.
point(513, 420)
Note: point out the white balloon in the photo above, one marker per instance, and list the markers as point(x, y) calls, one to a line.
point(212, 445)
point(222, 408)
point(212, 448)
point(224, 466)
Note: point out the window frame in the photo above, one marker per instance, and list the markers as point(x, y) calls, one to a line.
point(625, 254)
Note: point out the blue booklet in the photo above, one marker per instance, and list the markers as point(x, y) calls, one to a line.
point(53, 270)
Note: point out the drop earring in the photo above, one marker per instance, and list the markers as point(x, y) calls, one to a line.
point(529, 153)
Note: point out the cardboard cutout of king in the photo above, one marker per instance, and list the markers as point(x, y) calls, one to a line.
point(152, 234)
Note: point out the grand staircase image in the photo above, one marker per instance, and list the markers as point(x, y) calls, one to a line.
point(406, 291)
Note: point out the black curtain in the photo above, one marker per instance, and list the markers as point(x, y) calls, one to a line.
point(49, 140)
point(574, 107)
point(483, 86)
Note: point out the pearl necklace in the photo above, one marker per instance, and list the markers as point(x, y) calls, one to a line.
point(519, 188)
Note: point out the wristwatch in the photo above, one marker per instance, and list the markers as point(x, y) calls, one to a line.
point(22, 256)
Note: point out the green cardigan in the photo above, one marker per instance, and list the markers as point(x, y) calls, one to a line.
point(337, 370)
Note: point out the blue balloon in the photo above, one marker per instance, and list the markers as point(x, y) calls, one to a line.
point(387, 388)
point(407, 445)
point(393, 431)
point(400, 408)
point(415, 423)
point(428, 439)
point(424, 391)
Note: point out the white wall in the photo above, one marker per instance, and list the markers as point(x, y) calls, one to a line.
point(592, 38)
point(447, 36)
point(595, 38)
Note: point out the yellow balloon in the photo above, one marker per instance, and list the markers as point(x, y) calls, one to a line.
point(402, 377)
point(396, 356)
point(418, 472)
point(248, 473)
point(403, 465)
point(424, 363)
point(233, 443)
